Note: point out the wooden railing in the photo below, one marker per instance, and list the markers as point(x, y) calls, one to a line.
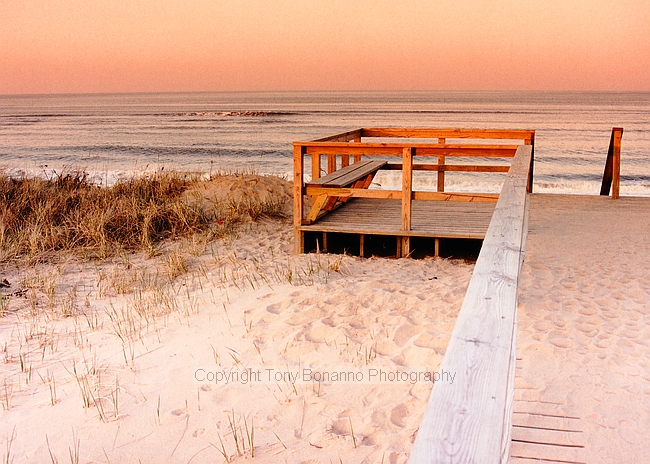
point(343, 149)
point(470, 419)
point(612, 174)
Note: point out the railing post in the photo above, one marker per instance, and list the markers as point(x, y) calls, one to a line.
point(357, 158)
point(612, 174)
point(531, 142)
point(616, 158)
point(331, 163)
point(407, 194)
point(315, 166)
point(298, 171)
point(441, 162)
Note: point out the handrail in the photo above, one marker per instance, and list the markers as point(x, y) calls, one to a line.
point(427, 133)
point(612, 174)
point(470, 420)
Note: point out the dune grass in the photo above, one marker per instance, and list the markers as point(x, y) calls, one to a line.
point(41, 217)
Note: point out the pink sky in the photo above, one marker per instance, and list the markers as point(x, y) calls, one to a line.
point(51, 46)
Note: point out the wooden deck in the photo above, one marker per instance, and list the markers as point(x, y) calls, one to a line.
point(438, 219)
point(342, 202)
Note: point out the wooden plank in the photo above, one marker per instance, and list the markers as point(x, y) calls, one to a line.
point(549, 437)
point(547, 422)
point(342, 137)
point(298, 169)
point(397, 194)
point(612, 175)
point(451, 167)
point(422, 133)
point(467, 421)
point(333, 178)
point(365, 168)
point(548, 452)
point(317, 205)
point(341, 172)
point(338, 148)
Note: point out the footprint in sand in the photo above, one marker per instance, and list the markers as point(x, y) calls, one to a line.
point(386, 348)
point(378, 418)
point(304, 317)
point(588, 329)
point(542, 326)
point(329, 321)
point(404, 333)
point(276, 308)
point(437, 344)
point(341, 427)
point(560, 339)
point(317, 334)
point(399, 414)
point(371, 440)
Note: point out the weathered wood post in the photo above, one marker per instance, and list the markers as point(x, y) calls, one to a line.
point(612, 174)
point(441, 169)
point(531, 141)
point(298, 170)
point(407, 195)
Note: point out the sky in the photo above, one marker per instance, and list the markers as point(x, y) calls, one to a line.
point(86, 46)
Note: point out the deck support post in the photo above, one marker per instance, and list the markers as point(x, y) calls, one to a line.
point(436, 247)
point(407, 197)
point(362, 246)
point(298, 171)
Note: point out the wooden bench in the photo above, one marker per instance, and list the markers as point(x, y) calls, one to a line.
point(356, 175)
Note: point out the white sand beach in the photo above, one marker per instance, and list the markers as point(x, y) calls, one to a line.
point(100, 358)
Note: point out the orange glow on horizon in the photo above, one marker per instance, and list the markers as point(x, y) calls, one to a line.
point(53, 46)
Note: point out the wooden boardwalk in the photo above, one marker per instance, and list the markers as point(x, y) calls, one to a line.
point(586, 264)
point(438, 219)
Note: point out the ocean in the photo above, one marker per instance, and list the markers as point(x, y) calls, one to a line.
point(113, 135)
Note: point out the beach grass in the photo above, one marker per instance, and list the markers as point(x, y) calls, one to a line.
point(39, 217)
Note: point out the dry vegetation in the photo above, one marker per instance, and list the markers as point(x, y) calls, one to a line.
point(39, 218)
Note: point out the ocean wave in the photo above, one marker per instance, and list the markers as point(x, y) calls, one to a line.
point(229, 114)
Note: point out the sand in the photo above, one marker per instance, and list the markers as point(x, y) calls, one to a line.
point(101, 358)
point(584, 327)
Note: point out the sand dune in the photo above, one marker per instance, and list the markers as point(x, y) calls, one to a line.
point(101, 358)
